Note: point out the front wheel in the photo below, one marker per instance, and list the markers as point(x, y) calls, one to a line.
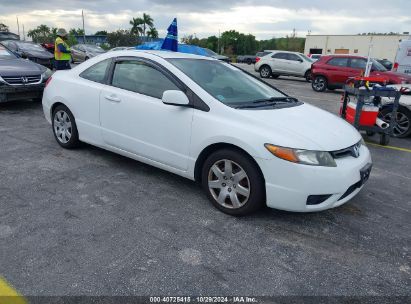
point(64, 127)
point(319, 84)
point(265, 71)
point(233, 182)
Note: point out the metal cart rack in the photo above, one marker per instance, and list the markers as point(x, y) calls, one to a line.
point(361, 94)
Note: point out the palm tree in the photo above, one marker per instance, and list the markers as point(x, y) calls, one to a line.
point(152, 32)
point(136, 26)
point(147, 21)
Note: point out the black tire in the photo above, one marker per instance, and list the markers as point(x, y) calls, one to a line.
point(265, 71)
point(307, 76)
point(253, 181)
point(85, 59)
point(319, 83)
point(249, 61)
point(384, 139)
point(404, 120)
point(370, 133)
point(68, 142)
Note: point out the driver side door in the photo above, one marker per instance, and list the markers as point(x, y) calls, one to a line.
point(134, 119)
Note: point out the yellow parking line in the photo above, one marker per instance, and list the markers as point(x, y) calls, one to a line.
point(389, 147)
point(8, 295)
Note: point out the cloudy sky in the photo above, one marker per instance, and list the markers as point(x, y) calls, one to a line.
point(264, 19)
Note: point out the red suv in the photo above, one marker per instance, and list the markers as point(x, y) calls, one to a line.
point(332, 71)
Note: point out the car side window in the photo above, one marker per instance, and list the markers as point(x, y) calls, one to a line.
point(339, 61)
point(358, 63)
point(280, 56)
point(293, 57)
point(97, 72)
point(139, 77)
point(81, 48)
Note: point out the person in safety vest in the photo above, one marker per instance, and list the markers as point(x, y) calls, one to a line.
point(62, 52)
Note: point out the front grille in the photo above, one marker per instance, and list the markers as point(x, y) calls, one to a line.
point(22, 80)
point(350, 151)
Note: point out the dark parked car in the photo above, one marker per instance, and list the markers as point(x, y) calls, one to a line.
point(386, 63)
point(333, 71)
point(20, 78)
point(8, 36)
point(83, 52)
point(249, 59)
point(32, 51)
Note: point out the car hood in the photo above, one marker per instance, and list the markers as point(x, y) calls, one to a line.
point(393, 75)
point(20, 67)
point(38, 54)
point(303, 127)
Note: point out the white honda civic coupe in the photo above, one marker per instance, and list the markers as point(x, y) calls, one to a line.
point(247, 143)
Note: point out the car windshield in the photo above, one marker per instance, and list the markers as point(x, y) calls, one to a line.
point(378, 66)
point(225, 82)
point(29, 46)
point(94, 48)
point(5, 54)
point(305, 57)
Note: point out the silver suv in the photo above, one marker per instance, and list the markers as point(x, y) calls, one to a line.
point(278, 63)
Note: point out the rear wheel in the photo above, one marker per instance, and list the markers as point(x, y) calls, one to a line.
point(249, 61)
point(64, 127)
point(233, 182)
point(265, 71)
point(319, 84)
point(402, 127)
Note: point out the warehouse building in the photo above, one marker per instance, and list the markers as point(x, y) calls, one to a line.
point(383, 46)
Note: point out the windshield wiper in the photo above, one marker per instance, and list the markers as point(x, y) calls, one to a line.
point(275, 100)
point(267, 102)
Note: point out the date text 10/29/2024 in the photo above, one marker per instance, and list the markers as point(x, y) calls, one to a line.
point(203, 299)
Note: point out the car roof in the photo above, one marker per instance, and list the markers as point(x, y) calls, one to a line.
point(282, 51)
point(164, 54)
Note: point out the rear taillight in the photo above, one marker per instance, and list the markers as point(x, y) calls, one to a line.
point(47, 81)
point(395, 67)
point(257, 59)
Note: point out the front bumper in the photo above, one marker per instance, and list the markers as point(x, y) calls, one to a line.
point(288, 185)
point(11, 93)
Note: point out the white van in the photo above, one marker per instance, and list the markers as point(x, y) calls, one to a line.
point(402, 62)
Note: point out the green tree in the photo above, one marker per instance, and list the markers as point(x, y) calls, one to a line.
point(101, 33)
point(152, 32)
point(76, 32)
point(136, 26)
point(3, 27)
point(122, 38)
point(140, 25)
point(41, 34)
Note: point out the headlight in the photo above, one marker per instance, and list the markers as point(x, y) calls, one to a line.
point(2, 80)
point(46, 75)
point(306, 157)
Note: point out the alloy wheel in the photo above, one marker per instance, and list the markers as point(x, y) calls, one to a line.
point(62, 126)
point(402, 123)
point(265, 72)
point(319, 83)
point(229, 184)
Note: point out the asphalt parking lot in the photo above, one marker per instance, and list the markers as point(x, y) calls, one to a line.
point(90, 222)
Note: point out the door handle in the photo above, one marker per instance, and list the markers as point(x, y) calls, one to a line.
point(112, 98)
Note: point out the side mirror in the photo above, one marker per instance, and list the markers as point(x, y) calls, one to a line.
point(175, 98)
point(300, 60)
